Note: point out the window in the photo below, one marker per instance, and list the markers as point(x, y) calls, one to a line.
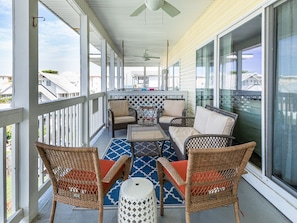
point(48, 83)
point(173, 77)
point(284, 154)
point(205, 75)
point(142, 77)
point(241, 81)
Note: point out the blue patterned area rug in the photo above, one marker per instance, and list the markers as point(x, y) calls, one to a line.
point(142, 167)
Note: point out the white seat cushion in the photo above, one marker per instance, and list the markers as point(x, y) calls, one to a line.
point(180, 134)
point(124, 119)
point(166, 119)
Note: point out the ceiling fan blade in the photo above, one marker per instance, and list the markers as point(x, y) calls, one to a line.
point(170, 9)
point(154, 57)
point(138, 10)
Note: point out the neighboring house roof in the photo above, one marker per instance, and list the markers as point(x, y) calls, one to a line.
point(254, 75)
point(72, 77)
point(49, 95)
point(62, 82)
point(6, 89)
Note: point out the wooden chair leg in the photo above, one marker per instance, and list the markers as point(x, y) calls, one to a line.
point(100, 215)
point(162, 198)
point(188, 219)
point(54, 205)
point(236, 212)
point(161, 182)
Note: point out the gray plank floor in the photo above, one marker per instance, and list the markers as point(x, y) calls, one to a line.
point(254, 207)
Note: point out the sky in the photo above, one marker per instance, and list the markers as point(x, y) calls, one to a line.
point(58, 44)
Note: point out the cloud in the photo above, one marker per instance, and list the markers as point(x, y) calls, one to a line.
point(59, 45)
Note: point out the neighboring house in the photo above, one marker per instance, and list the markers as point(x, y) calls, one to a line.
point(55, 86)
point(5, 78)
point(5, 90)
point(251, 82)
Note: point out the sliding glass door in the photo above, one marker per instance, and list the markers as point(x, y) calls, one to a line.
point(240, 73)
point(284, 167)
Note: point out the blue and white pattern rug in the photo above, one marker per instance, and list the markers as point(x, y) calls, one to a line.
point(142, 167)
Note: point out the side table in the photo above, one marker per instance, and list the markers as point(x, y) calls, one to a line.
point(137, 201)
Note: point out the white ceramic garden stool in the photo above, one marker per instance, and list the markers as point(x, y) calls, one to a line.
point(137, 201)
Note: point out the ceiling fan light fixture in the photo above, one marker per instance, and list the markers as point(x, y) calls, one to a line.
point(154, 4)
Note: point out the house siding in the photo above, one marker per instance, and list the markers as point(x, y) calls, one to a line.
point(220, 14)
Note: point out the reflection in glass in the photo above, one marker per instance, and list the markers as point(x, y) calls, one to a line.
point(205, 75)
point(285, 100)
point(241, 81)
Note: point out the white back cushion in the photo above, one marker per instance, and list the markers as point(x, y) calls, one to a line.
point(219, 124)
point(210, 122)
point(174, 108)
point(119, 107)
point(201, 118)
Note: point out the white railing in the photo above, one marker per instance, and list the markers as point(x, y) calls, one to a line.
point(59, 123)
point(9, 120)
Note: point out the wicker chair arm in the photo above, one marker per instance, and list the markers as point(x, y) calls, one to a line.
point(110, 115)
point(132, 110)
point(123, 160)
point(183, 121)
point(159, 113)
point(163, 162)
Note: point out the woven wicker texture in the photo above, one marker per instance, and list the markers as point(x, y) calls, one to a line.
point(207, 141)
point(121, 125)
point(78, 177)
point(209, 179)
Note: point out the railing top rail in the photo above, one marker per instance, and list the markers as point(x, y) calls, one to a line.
point(10, 116)
point(59, 104)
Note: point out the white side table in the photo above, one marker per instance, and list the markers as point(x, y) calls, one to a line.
point(137, 201)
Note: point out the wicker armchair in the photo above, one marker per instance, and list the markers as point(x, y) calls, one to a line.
point(172, 108)
point(208, 179)
point(78, 177)
point(120, 115)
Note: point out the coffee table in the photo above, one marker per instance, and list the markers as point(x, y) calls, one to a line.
point(142, 137)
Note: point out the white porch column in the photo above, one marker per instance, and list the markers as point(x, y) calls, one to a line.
point(25, 94)
point(103, 66)
point(104, 74)
point(119, 76)
point(84, 76)
point(123, 74)
point(111, 71)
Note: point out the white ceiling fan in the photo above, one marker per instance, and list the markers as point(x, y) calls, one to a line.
point(147, 57)
point(155, 5)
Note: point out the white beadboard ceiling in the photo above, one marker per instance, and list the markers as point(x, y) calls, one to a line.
point(150, 30)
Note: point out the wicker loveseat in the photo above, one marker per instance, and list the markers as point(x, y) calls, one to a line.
point(210, 128)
